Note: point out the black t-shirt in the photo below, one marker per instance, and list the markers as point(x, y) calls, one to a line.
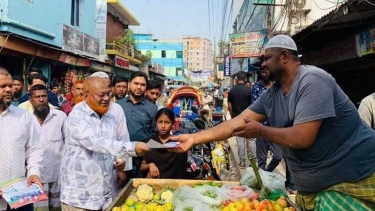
point(239, 96)
point(171, 165)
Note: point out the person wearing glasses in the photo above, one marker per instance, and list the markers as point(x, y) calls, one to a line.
point(94, 142)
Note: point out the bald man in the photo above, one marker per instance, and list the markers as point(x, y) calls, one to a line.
point(94, 140)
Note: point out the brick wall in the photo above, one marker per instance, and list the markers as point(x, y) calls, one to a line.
point(115, 28)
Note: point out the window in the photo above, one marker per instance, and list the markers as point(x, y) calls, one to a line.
point(179, 54)
point(197, 63)
point(163, 54)
point(197, 53)
point(74, 17)
point(191, 48)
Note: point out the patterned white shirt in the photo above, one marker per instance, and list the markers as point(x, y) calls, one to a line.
point(20, 144)
point(53, 139)
point(91, 145)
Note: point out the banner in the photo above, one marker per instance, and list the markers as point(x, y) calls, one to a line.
point(77, 42)
point(227, 65)
point(248, 44)
point(367, 42)
point(101, 24)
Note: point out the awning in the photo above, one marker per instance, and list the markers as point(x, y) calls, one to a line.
point(177, 78)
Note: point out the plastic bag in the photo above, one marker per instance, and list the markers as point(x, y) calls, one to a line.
point(201, 193)
point(236, 192)
point(273, 185)
point(249, 178)
point(192, 205)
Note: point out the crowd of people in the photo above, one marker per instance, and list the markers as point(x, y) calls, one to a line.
point(82, 147)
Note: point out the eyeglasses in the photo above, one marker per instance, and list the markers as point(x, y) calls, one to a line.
point(101, 95)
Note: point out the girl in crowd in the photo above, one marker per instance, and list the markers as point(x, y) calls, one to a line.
point(160, 163)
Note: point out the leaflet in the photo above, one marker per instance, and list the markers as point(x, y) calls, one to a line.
point(17, 194)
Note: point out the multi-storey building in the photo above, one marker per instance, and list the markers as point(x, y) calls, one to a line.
point(66, 39)
point(168, 53)
point(198, 55)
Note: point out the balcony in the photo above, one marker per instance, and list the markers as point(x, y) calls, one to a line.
point(126, 51)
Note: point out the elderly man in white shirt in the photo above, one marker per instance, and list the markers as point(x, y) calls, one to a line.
point(116, 110)
point(50, 124)
point(92, 143)
point(19, 141)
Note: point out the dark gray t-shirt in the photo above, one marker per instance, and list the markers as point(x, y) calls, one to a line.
point(344, 149)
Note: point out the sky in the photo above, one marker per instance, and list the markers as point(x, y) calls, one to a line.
point(172, 19)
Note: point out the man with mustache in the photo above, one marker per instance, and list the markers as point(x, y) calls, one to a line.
point(17, 89)
point(34, 80)
point(76, 90)
point(92, 141)
point(50, 125)
point(20, 152)
point(330, 151)
point(153, 92)
point(140, 115)
point(120, 88)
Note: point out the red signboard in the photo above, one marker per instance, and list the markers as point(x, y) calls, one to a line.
point(72, 60)
point(121, 62)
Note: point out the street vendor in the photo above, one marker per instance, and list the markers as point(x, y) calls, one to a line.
point(91, 143)
point(329, 150)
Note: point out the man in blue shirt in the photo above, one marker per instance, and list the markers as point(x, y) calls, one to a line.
point(140, 115)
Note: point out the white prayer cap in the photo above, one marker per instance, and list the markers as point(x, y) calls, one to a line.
point(281, 41)
point(100, 74)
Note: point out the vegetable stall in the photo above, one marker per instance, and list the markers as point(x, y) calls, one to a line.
point(197, 195)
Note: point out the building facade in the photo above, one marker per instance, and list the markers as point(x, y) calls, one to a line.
point(168, 53)
point(66, 39)
point(198, 53)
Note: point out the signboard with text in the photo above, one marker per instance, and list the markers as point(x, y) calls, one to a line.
point(227, 71)
point(121, 62)
point(77, 42)
point(200, 77)
point(248, 44)
point(367, 42)
point(101, 24)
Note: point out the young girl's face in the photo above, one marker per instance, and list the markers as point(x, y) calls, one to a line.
point(164, 124)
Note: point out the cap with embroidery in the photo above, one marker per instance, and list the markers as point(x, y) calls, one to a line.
point(100, 74)
point(281, 41)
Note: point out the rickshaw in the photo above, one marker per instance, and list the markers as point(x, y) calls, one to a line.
point(206, 161)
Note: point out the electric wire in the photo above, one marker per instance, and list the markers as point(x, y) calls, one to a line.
point(370, 3)
point(209, 18)
point(144, 9)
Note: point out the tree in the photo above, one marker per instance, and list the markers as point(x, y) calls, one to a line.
point(128, 38)
point(149, 54)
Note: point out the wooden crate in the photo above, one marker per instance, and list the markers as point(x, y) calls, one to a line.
point(158, 184)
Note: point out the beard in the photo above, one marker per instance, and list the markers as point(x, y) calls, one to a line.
point(136, 96)
point(119, 96)
point(78, 99)
point(97, 108)
point(17, 94)
point(4, 104)
point(42, 112)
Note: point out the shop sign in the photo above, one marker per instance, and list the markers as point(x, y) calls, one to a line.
point(80, 43)
point(200, 77)
point(72, 60)
point(133, 68)
point(248, 44)
point(121, 62)
point(160, 77)
point(101, 67)
point(367, 42)
point(227, 65)
point(101, 24)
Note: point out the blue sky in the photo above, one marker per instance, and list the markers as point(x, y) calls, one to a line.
point(176, 18)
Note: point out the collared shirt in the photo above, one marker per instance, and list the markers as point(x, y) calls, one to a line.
point(256, 90)
point(52, 137)
point(20, 144)
point(91, 145)
point(67, 107)
point(139, 118)
point(29, 107)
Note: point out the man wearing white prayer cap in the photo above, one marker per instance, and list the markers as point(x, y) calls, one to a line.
point(329, 150)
